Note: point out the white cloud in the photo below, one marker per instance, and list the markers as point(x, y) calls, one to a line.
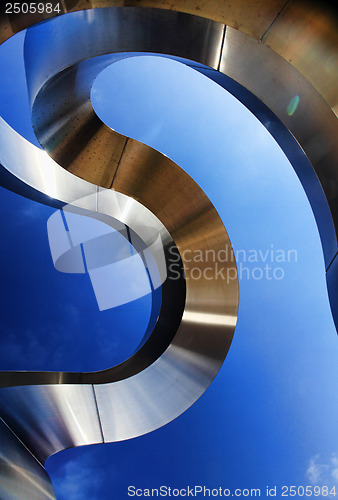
point(323, 470)
point(314, 470)
point(77, 480)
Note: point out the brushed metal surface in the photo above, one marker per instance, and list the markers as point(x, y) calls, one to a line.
point(51, 418)
point(320, 143)
point(241, 14)
point(247, 61)
point(275, 82)
point(67, 409)
point(303, 32)
point(197, 318)
point(306, 35)
point(21, 475)
point(114, 208)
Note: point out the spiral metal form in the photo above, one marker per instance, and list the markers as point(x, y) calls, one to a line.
point(262, 60)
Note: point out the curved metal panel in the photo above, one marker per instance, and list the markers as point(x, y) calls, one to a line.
point(252, 64)
point(305, 34)
point(195, 326)
point(51, 418)
point(276, 83)
point(21, 475)
point(137, 397)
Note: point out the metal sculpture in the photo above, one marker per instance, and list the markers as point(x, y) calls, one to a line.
point(261, 60)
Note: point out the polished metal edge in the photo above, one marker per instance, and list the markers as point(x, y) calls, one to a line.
point(121, 401)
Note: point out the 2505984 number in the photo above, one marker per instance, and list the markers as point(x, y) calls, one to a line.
point(32, 8)
point(308, 491)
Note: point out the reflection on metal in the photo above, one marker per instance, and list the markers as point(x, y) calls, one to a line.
point(106, 250)
point(272, 56)
point(21, 475)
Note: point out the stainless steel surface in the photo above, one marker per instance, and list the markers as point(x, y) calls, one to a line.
point(312, 124)
point(21, 475)
point(247, 61)
point(306, 35)
point(197, 320)
point(275, 82)
point(53, 417)
point(193, 332)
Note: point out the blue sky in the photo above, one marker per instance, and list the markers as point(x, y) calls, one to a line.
point(269, 418)
point(60, 312)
